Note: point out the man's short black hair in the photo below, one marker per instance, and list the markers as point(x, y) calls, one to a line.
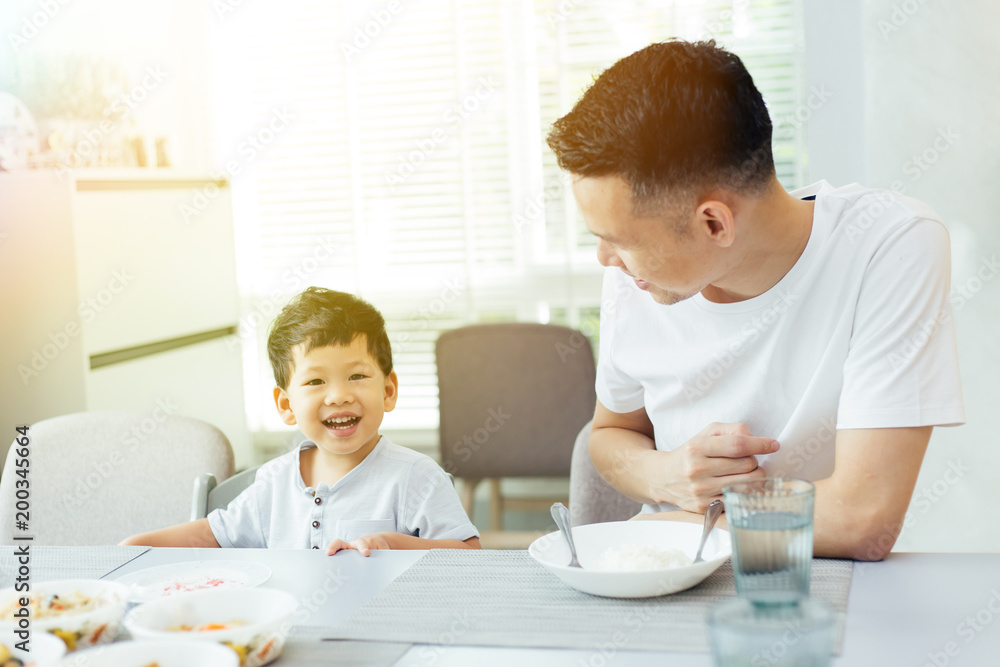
point(675, 118)
point(319, 317)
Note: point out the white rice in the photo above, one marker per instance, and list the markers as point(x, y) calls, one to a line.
point(635, 557)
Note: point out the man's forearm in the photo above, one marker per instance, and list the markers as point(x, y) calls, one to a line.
point(837, 531)
point(843, 529)
point(860, 509)
point(622, 458)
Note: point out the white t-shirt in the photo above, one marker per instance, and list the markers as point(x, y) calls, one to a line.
point(394, 489)
point(858, 334)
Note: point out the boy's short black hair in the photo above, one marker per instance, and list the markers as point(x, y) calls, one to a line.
point(674, 118)
point(319, 317)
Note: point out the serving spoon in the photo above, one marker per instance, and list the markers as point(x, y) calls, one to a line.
point(560, 514)
point(711, 516)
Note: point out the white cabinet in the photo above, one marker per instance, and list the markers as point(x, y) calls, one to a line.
point(135, 272)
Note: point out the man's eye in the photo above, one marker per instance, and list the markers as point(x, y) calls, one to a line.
point(317, 381)
point(358, 376)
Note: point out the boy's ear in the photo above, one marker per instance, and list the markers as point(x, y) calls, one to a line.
point(284, 406)
point(391, 391)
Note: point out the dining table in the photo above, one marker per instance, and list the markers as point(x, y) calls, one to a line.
point(919, 609)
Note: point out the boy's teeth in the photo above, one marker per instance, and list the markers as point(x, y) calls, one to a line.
point(341, 422)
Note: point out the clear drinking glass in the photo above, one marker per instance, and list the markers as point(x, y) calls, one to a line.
point(771, 527)
point(797, 634)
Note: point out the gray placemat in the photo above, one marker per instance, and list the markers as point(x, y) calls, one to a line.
point(49, 563)
point(505, 598)
point(305, 652)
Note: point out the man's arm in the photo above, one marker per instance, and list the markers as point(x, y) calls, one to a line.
point(691, 476)
point(377, 541)
point(192, 534)
point(859, 510)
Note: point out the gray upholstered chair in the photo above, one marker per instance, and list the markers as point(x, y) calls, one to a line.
point(210, 495)
point(98, 477)
point(512, 399)
point(591, 499)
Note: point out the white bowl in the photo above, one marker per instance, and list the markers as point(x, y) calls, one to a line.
point(173, 653)
point(77, 630)
point(45, 650)
point(594, 539)
point(267, 614)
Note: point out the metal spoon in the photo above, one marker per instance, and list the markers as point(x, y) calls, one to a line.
point(560, 514)
point(711, 516)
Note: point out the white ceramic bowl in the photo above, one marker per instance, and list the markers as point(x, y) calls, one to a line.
point(172, 653)
point(78, 630)
point(45, 650)
point(267, 615)
point(594, 539)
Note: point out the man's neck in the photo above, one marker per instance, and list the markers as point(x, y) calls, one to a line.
point(775, 230)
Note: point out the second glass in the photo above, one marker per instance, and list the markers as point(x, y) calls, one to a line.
point(771, 527)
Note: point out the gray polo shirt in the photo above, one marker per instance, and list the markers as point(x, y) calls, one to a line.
point(394, 489)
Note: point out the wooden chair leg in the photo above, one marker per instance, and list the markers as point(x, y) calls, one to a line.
point(496, 505)
point(468, 494)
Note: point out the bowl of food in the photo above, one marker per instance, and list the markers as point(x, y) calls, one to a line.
point(253, 622)
point(81, 612)
point(44, 650)
point(162, 653)
point(633, 559)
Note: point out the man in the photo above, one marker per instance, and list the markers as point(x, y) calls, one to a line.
point(747, 331)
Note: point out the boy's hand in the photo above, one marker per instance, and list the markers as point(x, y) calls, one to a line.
point(363, 544)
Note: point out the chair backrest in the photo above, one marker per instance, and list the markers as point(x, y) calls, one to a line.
point(98, 477)
point(208, 495)
point(591, 499)
point(512, 398)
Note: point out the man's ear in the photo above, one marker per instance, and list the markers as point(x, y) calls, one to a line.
point(391, 391)
point(284, 406)
point(716, 218)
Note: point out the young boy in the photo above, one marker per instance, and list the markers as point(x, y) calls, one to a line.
point(346, 487)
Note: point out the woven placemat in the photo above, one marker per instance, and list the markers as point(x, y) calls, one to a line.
point(505, 598)
point(50, 563)
point(303, 651)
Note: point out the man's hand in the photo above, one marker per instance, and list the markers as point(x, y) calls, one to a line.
point(693, 475)
point(365, 544)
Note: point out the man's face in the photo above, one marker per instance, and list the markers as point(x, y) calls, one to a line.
point(670, 265)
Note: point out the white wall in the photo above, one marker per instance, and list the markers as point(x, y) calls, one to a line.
point(943, 59)
point(834, 91)
point(931, 88)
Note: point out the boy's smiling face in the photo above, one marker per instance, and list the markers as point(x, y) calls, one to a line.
point(337, 395)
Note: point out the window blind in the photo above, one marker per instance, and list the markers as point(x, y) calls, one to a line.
point(414, 171)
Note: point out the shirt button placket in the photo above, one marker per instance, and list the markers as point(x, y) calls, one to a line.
point(316, 523)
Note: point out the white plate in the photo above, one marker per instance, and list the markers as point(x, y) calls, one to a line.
point(45, 649)
point(166, 580)
point(266, 612)
point(167, 653)
point(594, 539)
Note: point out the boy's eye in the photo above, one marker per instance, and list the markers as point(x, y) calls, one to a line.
point(358, 376)
point(317, 381)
